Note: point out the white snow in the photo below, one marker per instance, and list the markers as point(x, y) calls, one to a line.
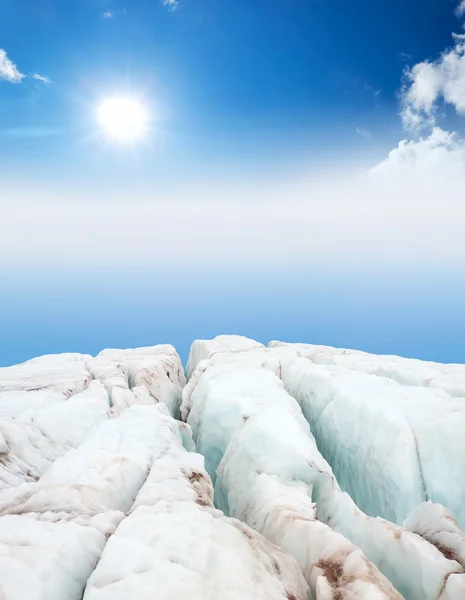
point(176, 543)
point(103, 474)
point(204, 349)
point(101, 486)
point(140, 376)
point(258, 445)
point(173, 543)
point(48, 404)
point(437, 525)
point(46, 561)
point(62, 373)
point(417, 568)
point(44, 429)
point(391, 446)
point(406, 371)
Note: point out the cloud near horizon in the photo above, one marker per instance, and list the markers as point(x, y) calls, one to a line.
point(406, 212)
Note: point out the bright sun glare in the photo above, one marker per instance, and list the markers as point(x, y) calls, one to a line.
point(123, 119)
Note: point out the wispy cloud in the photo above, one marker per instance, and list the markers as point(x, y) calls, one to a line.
point(371, 90)
point(172, 4)
point(107, 15)
point(363, 133)
point(405, 56)
point(42, 78)
point(8, 70)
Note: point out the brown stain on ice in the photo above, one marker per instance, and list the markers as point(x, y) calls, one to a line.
point(276, 566)
point(446, 578)
point(195, 476)
point(202, 486)
point(333, 571)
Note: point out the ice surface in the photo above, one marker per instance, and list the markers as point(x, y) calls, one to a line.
point(62, 373)
point(140, 376)
point(176, 543)
point(364, 422)
point(173, 543)
point(90, 454)
point(417, 568)
point(103, 474)
point(258, 445)
point(406, 371)
point(44, 429)
point(437, 525)
point(184, 552)
point(204, 349)
point(270, 470)
point(46, 561)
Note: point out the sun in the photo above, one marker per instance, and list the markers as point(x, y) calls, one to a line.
point(123, 119)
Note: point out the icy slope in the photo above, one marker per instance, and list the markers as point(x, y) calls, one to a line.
point(140, 376)
point(103, 496)
point(203, 349)
point(175, 545)
point(363, 421)
point(43, 428)
point(406, 371)
point(46, 561)
point(267, 464)
point(48, 404)
point(127, 485)
point(258, 444)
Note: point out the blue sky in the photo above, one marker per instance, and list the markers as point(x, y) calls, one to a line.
point(275, 141)
point(231, 81)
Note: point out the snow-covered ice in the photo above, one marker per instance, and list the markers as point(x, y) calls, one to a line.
point(203, 349)
point(48, 404)
point(268, 470)
point(258, 447)
point(43, 429)
point(131, 487)
point(140, 376)
point(176, 543)
point(406, 371)
point(46, 561)
point(63, 373)
point(351, 463)
point(364, 422)
point(103, 474)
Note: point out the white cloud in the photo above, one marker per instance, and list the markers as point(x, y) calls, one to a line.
point(108, 14)
point(8, 70)
point(461, 8)
point(439, 157)
point(427, 83)
point(42, 78)
point(172, 4)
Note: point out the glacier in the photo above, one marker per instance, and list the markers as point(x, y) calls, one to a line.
point(290, 471)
